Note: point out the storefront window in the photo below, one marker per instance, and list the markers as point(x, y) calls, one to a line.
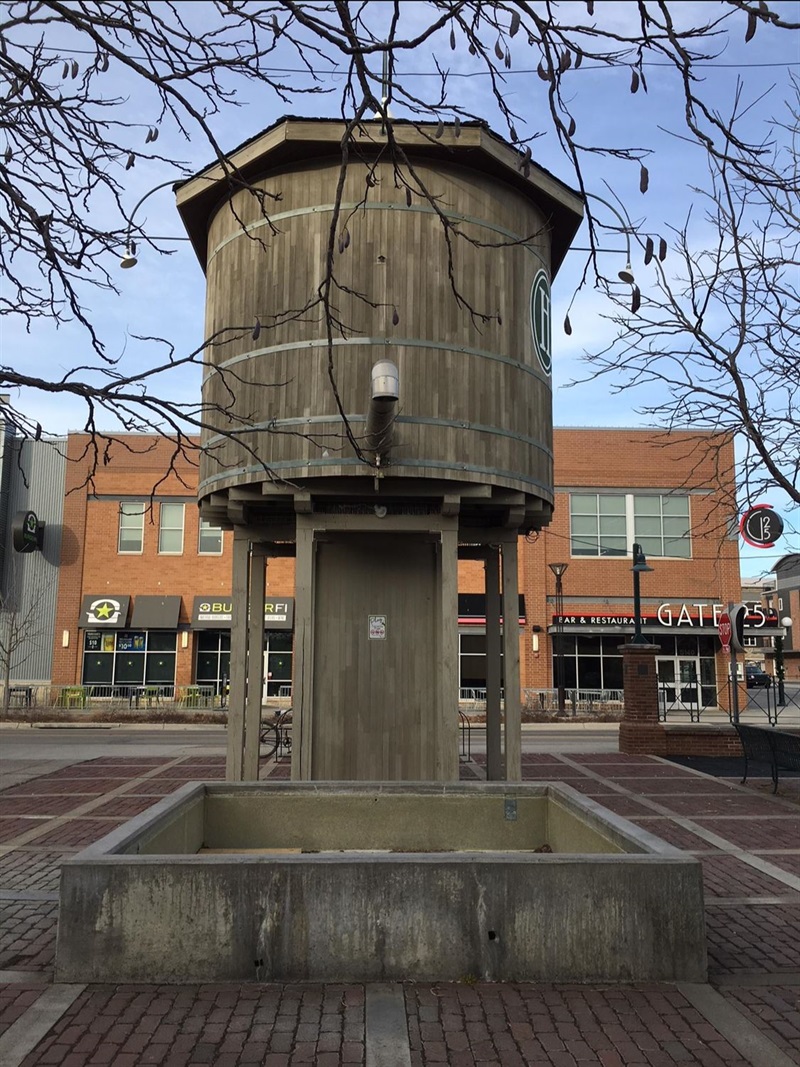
point(129, 658)
point(213, 659)
point(590, 661)
point(278, 648)
point(472, 665)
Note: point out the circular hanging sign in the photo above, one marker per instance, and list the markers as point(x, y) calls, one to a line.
point(761, 526)
point(725, 630)
point(26, 532)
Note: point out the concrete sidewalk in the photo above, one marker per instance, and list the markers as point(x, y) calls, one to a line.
point(748, 1013)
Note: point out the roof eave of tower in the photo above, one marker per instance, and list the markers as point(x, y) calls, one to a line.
point(293, 141)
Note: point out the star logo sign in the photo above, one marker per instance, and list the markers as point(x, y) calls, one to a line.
point(105, 610)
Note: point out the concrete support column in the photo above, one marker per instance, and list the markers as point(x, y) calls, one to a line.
point(234, 764)
point(511, 703)
point(494, 741)
point(640, 731)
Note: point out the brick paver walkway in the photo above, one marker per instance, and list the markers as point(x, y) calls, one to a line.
point(747, 840)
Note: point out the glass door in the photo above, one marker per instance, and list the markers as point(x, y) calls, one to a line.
point(689, 687)
point(667, 690)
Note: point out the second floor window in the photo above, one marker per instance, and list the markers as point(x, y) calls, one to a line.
point(131, 526)
point(598, 524)
point(209, 542)
point(608, 524)
point(170, 531)
point(661, 525)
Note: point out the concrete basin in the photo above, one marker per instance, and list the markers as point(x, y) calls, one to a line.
point(369, 882)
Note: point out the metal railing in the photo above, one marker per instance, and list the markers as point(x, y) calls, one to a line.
point(80, 697)
point(698, 703)
point(577, 701)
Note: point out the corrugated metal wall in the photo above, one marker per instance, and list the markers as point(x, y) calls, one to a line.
point(34, 473)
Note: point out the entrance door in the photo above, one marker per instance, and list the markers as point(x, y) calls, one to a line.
point(667, 690)
point(689, 689)
point(679, 684)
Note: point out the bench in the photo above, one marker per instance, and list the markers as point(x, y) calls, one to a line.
point(775, 747)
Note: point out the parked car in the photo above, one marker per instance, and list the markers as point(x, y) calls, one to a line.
point(756, 677)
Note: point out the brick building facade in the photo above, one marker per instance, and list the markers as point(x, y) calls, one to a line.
point(144, 587)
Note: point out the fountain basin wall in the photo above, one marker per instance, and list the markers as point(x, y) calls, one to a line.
point(363, 882)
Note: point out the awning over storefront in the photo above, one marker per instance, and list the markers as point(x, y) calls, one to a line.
point(156, 613)
point(215, 613)
point(103, 611)
point(472, 609)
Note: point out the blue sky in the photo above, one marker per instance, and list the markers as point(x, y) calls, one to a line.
point(164, 295)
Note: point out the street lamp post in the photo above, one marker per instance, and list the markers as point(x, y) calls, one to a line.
point(558, 570)
point(640, 566)
point(780, 672)
point(780, 669)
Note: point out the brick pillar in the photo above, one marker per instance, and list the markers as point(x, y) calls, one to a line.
point(640, 732)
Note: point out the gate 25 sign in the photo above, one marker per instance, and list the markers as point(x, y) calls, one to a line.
point(761, 526)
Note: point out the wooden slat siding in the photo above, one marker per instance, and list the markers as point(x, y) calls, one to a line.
point(303, 666)
point(446, 671)
point(494, 746)
point(246, 280)
point(255, 656)
point(370, 719)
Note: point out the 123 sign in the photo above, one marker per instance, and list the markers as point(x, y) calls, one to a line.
point(761, 526)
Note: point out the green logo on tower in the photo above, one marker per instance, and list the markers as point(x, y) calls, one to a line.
point(540, 320)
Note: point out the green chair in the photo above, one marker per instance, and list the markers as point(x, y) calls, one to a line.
point(74, 696)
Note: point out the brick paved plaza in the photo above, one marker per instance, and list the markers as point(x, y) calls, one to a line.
point(747, 1016)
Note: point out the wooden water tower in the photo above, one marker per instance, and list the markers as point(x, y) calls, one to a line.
point(373, 441)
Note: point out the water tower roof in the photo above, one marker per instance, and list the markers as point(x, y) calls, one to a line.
point(291, 140)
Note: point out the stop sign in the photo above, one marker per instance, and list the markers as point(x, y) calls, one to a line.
point(724, 629)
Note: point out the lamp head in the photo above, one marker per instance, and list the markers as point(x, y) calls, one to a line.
point(558, 568)
point(640, 565)
point(626, 275)
point(129, 259)
point(786, 621)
